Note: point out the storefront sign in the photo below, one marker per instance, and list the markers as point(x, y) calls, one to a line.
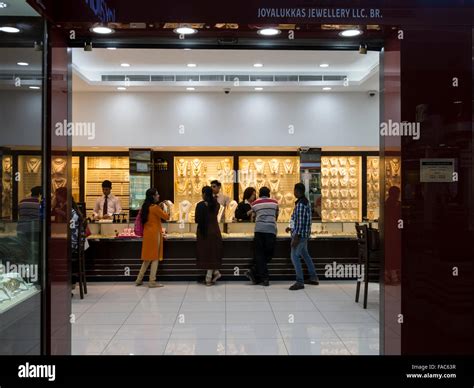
point(319, 13)
point(436, 170)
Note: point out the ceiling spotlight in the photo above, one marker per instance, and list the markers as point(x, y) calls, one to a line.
point(185, 30)
point(121, 88)
point(3, 4)
point(363, 49)
point(125, 64)
point(35, 87)
point(88, 46)
point(350, 33)
point(258, 89)
point(23, 64)
point(324, 65)
point(10, 30)
point(190, 89)
point(102, 30)
point(258, 65)
point(191, 65)
point(269, 31)
point(327, 88)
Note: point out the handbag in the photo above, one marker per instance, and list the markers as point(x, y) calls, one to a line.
point(138, 229)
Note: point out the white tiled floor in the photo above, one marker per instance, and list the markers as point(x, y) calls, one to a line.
point(233, 318)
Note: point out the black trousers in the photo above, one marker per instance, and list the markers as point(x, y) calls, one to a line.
point(264, 247)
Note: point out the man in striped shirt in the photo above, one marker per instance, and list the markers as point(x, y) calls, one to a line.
point(266, 215)
point(300, 228)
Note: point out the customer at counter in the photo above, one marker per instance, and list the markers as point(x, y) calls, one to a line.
point(244, 210)
point(107, 205)
point(152, 246)
point(222, 199)
point(29, 214)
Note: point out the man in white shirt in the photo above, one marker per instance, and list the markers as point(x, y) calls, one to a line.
point(222, 199)
point(107, 205)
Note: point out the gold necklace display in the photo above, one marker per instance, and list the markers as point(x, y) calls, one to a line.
point(325, 192)
point(342, 161)
point(352, 161)
point(279, 197)
point(58, 166)
point(59, 182)
point(274, 166)
point(259, 183)
point(344, 193)
point(181, 167)
point(325, 161)
point(245, 166)
point(274, 185)
point(288, 165)
point(33, 165)
point(333, 162)
point(181, 186)
point(334, 193)
point(395, 167)
point(353, 193)
point(325, 171)
point(333, 172)
point(289, 197)
point(259, 166)
point(196, 165)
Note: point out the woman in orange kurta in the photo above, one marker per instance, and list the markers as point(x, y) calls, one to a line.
point(152, 246)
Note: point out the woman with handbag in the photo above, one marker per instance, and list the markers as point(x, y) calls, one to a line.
point(150, 216)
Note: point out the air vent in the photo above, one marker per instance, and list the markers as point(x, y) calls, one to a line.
point(235, 77)
point(113, 78)
point(334, 77)
point(310, 78)
point(185, 78)
point(286, 78)
point(261, 78)
point(212, 78)
point(162, 78)
point(139, 78)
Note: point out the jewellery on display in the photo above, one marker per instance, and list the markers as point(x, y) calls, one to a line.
point(274, 185)
point(274, 165)
point(352, 171)
point(353, 182)
point(197, 186)
point(344, 193)
point(344, 182)
point(325, 161)
point(245, 166)
point(345, 204)
point(342, 161)
point(334, 181)
point(259, 183)
point(333, 171)
point(181, 186)
point(285, 214)
point(376, 186)
point(353, 193)
point(334, 193)
point(354, 203)
point(58, 182)
point(169, 208)
point(325, 192)
point(220, 213)
point(7, 164)
point(58, 166)
point(196, 165)
point(333, 162)
point(395, 167)
point(289, 165)
point(33, 165)
point(325, 171)
point(375, 163)
point(344, 215)
point(327, 204)
point(225, 169)
point(353, 215)
point(184, 209)
point(289, 198)
point(352, 161)
point(230, 211)
point(182, 167)
point(325, 181)
point(334, 215)
point(259, 166)
point(343, 172)
point(324, 214)
point(279, 197)
point(336, 203)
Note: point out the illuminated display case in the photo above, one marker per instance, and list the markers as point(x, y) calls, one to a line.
point(76, 178)
point(279, 174)
point(6, 193)
point(393, 173)
point(113, 168)
point(341, 192)
point(29, 167)
point(373, 188)
point(140, 177)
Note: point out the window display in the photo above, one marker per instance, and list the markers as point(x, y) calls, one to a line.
point(341, 188)
point(14, 289)
point(113, 168)
point(29, 168)
point(392, 173)
point(279, 174)
point(6, 187)
point(195, 172)
point(76, 178)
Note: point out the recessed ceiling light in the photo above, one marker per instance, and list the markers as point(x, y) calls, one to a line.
point(102, 30)
point(258, 89)
point(23, 64)
point(327, 88)
point(125, 64)
point(192, 65)
point(111, 48)
point(10, 30)
point(350, 33)
point(324, 65)
point(121, 88)
point(35, 87)
point(190, 89)
point(269, 31)
point(3, 4)
point(258, 65)
point(185, 30)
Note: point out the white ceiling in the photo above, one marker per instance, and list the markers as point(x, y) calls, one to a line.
point(362, 70)
point(17, 8)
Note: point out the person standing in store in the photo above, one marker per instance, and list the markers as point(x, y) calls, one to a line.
point(209, 239)
point(152, 246)
point(266, 215)
point(222, 199)
point(300, 229)
point(107, 205)
point(244, 210)
point(29, 214)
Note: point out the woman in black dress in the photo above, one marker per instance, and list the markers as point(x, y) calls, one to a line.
point(209, 239)
point(244, 210)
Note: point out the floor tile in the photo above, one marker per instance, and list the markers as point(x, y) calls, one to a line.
point(87, 347)
point(145, 306)
point(206, 317)
point(348, 317)
point(255, 331)
point(356, 330)
point(248, 306)
point(112, 307)
point(298, 305)
point(291, 316)
point(195, 347)
point(256, 347)
point(93, 332)
point(307, 330)
point(337, 305)
point(362, 346)
point(135, 347)
point(190, 331)
point(250, 317)
point(139, 318)
point(143, 332)
point(197, 306)
point(102, 318)
point(314, 346)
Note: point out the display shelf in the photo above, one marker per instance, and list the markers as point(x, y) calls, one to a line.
point(29, 167)
point(373, 188)
point(278, 173)
point(341, 182)
point(393, 173)
point(6, 194)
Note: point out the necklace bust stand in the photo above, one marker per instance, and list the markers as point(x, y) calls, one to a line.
point(230, 211)
point(184, 209)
